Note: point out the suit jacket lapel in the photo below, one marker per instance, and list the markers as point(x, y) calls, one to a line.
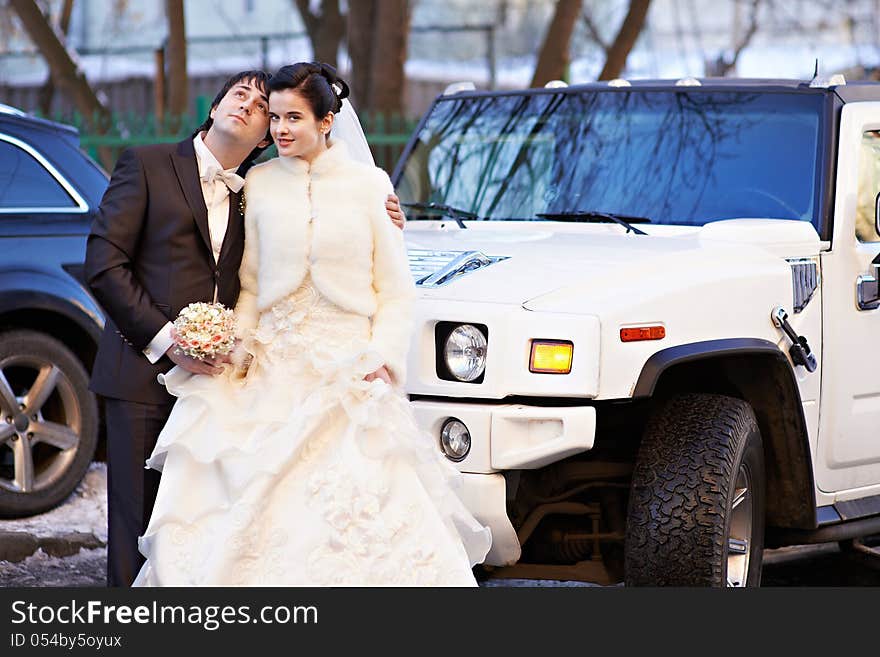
point(234, 228)
point(187, 170)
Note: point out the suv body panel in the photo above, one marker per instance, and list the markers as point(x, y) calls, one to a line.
point(712, 288)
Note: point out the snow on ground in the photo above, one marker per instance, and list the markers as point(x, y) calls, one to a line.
point(84, 511)
point(86, 568)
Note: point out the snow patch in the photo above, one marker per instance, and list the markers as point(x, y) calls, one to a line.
point(84, 511)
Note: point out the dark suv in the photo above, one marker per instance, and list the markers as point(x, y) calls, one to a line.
point(49, 322)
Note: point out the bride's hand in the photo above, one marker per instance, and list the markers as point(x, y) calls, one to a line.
point(381, 373)
point(395, 212)
point(191, 364)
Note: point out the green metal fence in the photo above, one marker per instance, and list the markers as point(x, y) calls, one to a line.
point(387, 135)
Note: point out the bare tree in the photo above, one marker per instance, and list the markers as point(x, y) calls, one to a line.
point(176, 60)
point(554, 57)
point(617, 51)
point(725, 63)
point(63, 68)
point(47, 91)
point(377, 42)
point(326, 28)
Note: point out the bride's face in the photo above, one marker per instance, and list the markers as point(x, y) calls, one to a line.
point(294, 127)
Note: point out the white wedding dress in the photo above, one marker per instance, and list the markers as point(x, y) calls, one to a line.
point(302, 473)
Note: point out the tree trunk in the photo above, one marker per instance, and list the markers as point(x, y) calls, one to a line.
point(390, 45)
point(615, 60)
point(377, 42)
point(47, 91)
point(62, 67)
point(361, 19)
point(554, 57)
point(326, 30)
point(176, 61)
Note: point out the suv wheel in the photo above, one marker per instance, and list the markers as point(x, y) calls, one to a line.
point(696, 507)
point(48, 426)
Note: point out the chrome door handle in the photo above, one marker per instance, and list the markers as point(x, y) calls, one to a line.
point(867, 292)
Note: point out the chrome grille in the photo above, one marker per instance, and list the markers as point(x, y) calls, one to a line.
point(436, 268)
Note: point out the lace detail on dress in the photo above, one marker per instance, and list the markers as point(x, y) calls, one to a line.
point(305, 324)
point(372, 541)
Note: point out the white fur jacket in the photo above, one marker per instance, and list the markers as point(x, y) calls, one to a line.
point(356, 256)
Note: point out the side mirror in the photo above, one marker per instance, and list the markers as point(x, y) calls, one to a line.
point(877, 214)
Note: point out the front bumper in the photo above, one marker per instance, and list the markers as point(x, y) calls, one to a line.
point(507, 437)
point(513, 436)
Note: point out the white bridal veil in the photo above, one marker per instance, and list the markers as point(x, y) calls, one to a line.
point(347, 128)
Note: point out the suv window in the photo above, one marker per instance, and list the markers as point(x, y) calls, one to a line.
point(684, 158)
point(869, 186)
point(26, 184)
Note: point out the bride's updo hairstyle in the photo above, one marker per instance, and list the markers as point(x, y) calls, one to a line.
point(318, 83)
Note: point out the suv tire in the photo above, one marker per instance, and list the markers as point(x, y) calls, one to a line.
point(696, 506)
point(54, 435)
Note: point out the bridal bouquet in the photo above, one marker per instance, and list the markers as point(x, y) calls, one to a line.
point(204, 330)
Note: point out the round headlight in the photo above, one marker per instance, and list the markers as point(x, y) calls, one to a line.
point(465, 352)
point(455, 439)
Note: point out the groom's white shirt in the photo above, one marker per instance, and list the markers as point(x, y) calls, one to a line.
point(216, 195)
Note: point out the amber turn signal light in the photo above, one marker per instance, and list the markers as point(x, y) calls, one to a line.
point(638, 333)
point(551, 356)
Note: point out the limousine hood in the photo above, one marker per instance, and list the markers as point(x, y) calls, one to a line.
point(586, 265)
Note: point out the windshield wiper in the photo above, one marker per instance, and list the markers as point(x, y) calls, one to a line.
point(446, 210)
point(590, 215)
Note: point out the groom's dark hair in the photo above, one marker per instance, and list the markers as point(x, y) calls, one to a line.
point(257, 78)
point(318, 83)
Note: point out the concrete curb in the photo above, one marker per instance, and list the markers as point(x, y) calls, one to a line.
point(18, 546)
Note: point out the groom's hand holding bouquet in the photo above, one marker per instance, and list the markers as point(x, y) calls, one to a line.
point(204, 336)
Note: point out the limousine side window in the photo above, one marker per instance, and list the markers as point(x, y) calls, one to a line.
point(26, 185)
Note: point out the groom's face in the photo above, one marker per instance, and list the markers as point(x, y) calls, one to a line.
point(243, 113)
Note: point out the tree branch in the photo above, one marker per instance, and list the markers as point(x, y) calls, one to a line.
point(626, 38)
point(594, 32)
point(750, 32)
point(62, 65)
point(553, 58)
point(309, 19)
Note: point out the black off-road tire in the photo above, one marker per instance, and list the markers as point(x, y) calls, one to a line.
point(682, 493)
point(80, 401)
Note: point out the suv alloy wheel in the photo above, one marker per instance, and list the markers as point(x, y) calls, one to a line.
point(49, 423)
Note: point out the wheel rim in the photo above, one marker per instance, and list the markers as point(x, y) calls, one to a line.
point(40, 424)
point(739, 537)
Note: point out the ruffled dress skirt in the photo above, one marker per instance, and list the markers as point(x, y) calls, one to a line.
point(303, 474)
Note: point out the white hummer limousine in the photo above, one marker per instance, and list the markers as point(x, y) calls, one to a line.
point(648, 320)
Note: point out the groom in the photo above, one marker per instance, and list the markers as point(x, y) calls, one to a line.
point(169, 232)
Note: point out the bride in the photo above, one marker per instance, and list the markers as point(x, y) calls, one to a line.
point(301, 463)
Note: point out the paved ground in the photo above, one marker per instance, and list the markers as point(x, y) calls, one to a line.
point(66, 547)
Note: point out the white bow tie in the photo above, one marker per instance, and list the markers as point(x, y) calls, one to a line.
point(232, 180)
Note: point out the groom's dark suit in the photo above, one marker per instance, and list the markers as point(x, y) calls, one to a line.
point(149, 255)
